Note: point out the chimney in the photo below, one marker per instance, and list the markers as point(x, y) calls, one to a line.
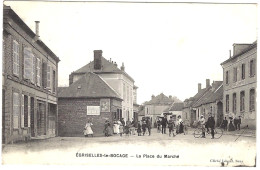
point(97, 59)
point(123, 67)
point(207, 83)
point(199, 87)
point(37, 28)
point(115, 64)
point(153, 96)
point(238, 48)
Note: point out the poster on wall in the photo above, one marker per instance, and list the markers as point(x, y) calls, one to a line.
point(105, 105)
point(93, 110)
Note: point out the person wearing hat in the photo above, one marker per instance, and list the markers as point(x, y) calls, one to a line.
point(239, 122)
point(202, 122)
point(211, 124)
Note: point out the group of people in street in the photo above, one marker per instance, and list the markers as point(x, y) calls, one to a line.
point(230, 126)
point(163, 122)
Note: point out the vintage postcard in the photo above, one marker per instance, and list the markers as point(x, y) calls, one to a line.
point(129, 83)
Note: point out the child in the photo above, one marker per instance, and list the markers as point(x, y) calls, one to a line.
point(121, 129)
point(170, 126)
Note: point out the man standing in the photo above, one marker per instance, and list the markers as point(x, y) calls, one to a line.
point(164, 123)
point(149, 125)
point(225, 123)
point(202, 123)
point(211, 124)
point(239, 122)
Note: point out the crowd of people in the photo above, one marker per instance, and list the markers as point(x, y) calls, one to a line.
point(143, 127)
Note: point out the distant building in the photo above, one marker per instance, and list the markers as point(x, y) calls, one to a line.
point(29, 82)
point(90, 98)
point(175, 110)
point(116, 78)
point(211, 102)
point(156, 106)
point(240, 82)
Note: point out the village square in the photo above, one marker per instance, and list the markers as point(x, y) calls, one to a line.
point(97, 116)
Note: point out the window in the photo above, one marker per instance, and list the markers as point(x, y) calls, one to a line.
point(226, 77)
point(242, 101)
point(124, 92)
point(48, 76)
point(38, 72)
point(127, 95)
point(29, 65)
point(227, 103)
point(252, 100)
point(234, 102)
point(235, 74)
point(252, 68)
point(15, 58)
point(22, 111)
point(54, 81)
point(16, 110)
point(243, 71)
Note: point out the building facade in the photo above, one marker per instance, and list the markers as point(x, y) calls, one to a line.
point(88, 99)
point(29, 82)
point(240, 83)
point(156, 106)
point(117, 79)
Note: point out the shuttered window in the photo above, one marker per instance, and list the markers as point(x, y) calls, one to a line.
point(227, 78)
point(242, 101)
point(234, 102)
point(54, 81)
point(16, 58)
point(29, 65)
point(252, 68)
point(252, 100)
point(38, 72)
point(227, 103)
point(235, 74)
point(16, 110)
point(243, 70)
point(22, 111)
point(44, 74)
point(48, 76)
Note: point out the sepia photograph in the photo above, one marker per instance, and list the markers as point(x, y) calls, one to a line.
point(129, 83)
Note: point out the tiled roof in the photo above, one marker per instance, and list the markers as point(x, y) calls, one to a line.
point(253, 45)
point(161, 99)
point(107, 67)
point(192, 100)
point(214, 93)
point(176, 107)
point(89, 86)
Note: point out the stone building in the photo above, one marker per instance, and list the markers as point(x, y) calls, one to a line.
point(211, 102)
point(156, 106)
point(189, 112)
point(116, 78)
point(29, 82)
point(240, 82)
point(89, 98)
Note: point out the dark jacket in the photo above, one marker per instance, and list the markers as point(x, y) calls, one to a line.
point(164, 121)
point(211, 122)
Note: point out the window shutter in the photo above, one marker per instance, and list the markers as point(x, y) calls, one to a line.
point(33, 68)
point(38, 67)
point(22, 111)
point(48, 76)
point(253, 67)
point(16, 110)
point(29, 111)
point(44, 74)
point(27, 64)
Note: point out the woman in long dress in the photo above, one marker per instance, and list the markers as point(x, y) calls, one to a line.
point(180, 125)
point(88, 129)
point(116, 127)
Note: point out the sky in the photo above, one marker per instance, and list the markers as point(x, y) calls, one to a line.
point(166, 47)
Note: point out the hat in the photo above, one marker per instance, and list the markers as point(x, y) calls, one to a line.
point(201, 116)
